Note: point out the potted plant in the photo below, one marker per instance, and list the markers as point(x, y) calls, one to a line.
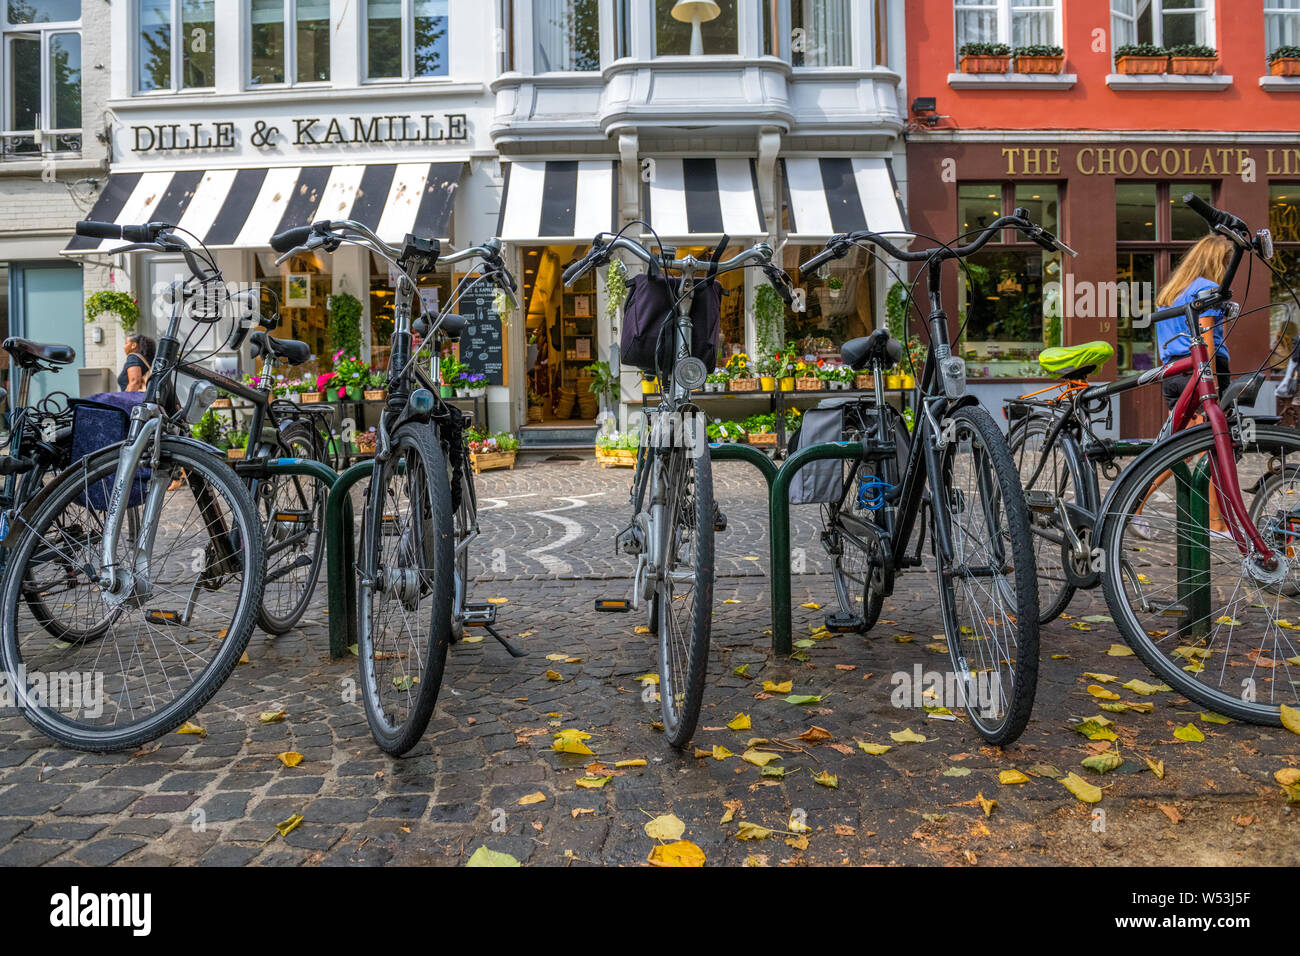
point(835, 285)
point(351, 375)
point(984, 57)
point(236, 442)
point(767, 368)
point(208, 429)
point(376, 386)
point(807, 377)
point(344, 322)
point(720, 431)
point(365, 441)
point(449, 369)
point(491, 451)
point(716, 381)
point(535, 405)
point(760, 430)
point(1140, 58)
point(741, 373)
point(649, 384)
point(769, 311)
point(1284, 61)
point(1193, 60)
point(323, 383)
point(617, 449)
point(1039, 58)
point(126, 308)
point(615, 288)
point(786, 369)
point(475, 383)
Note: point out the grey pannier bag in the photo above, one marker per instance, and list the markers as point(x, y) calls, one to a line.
point(819, 482)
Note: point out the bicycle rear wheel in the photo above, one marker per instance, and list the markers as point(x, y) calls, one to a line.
point(988, 593)
point(1055, 483)
point(683, 603)
point(144, 661)
point(405, 589)
point(1217, 626)
point(292, 510)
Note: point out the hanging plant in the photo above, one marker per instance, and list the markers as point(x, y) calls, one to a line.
point(503, 304)
point(769, 310)
point(616, 286)
point(344, 322)
point(120, 304)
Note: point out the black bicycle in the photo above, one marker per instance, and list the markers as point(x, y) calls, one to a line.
point(956, 467)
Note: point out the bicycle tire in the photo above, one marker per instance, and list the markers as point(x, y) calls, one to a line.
point(245, 545)
point(1015, 637)
point(1169, 651)
point(1055, 592)
point(682, 675)
point(296, 440)
point(426, 538)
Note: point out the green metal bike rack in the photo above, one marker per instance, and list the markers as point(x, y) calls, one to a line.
point(1193, 511)
point(778, 511)
point(341, 551)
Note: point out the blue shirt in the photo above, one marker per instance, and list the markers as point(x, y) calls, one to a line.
point(1171, 334)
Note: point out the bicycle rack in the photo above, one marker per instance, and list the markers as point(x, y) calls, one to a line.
point(1193, 496)
point(778, 512)
point(340, 545)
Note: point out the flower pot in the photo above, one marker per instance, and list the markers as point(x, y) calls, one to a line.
point(808, 383)
point(762, 439)
point(462, 393)
point(374, 394)
point(1193, 65)
point(743, 385)
point(487, 460)
point(1142, 65)
point(1285, 66)
point(893, 381)
point(477, 392)
point(1040, 64)
point(906, 381)
point(863, 380)
point(234, 454)
point(221, 403)
point(295, 397)
point(985, 64)
point(615, 457)
point(311, 398)
point(446, 391)
point(787, 384)
point(535, 414)
point(354, 394)
point(767, 382)
point(649, 386)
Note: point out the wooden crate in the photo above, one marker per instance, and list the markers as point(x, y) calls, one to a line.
point(616, 458)
point(762, 439)
point(486, 461)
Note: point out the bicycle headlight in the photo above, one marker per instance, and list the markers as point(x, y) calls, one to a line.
point(691, 372)
point(420, 402)
point(201, 397)
point(1265, 240)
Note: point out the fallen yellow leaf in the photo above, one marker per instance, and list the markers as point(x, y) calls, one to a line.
point(681, 853)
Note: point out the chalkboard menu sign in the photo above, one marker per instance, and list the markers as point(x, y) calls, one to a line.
point(480, 343)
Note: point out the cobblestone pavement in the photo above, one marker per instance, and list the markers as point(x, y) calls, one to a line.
point(472, 782)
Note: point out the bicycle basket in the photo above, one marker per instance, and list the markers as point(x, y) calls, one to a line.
point(647, 340)
point(99, 422)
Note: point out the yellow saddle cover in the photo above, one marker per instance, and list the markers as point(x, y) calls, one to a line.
point(1076, 356)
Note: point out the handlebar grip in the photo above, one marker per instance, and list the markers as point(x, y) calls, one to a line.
point(94, 229)
point(576, 271)
point(290, 238)
point(1168, 312)
point(781, 282)
point(816, 261)
point(1215, 217)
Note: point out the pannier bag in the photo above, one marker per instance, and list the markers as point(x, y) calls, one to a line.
point(819, 482)
point(98, 422)
point(648, 313)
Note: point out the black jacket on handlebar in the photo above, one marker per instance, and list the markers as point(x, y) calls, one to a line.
point(648, 339)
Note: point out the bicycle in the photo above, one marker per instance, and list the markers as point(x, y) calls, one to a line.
point(420, 514)
point(152, 545)
point(674, 513)
point(956, 465)
point(1212, 613)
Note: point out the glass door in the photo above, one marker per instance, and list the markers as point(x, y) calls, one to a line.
point(48, 308)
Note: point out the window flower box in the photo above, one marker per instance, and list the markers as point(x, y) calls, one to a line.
point(1285, 66)
point(488, 460)
point(1193, 65)
point(1040, 64)
point(1141, 65)
point(984, 57)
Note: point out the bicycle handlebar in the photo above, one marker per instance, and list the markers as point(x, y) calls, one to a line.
point(758, 254)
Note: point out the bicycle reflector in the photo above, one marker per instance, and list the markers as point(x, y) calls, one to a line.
point(613, 605)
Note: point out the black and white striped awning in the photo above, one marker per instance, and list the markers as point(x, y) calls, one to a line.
point(243, 208)
point(702, 198)
point(556, 199)
point(829, 195)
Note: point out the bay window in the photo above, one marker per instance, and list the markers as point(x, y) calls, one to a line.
point(42, 78)
point(673, 37)
point(567, 35)
point(1017, 23)
point(1281, 24)
point(406, 39)
point(289, 41)
point(1164, 23)
point(821, 33)
point(164, 27)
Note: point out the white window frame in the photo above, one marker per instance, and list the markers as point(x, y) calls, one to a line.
point(408, 46)
point(1279, 11)
point(1004, 10)
point(1204, 7)
point(177, 61)
point(46, 137)
point(290, 51)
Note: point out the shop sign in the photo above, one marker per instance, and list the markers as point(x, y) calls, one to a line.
point(1210, 161)
point(305, 131)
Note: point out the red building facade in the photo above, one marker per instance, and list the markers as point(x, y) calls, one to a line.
point(1102, 155)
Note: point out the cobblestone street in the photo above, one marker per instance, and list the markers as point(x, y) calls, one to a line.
point(546, 552)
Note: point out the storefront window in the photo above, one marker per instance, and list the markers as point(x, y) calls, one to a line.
point(45, 11)
point(1281, 24)
point(673, 37)
point(1015, 22)
point(1136, 274)
point(1135, 212)
point(1042, 202)
point(167, 25)
point(837, 301)
point(567, 35)
point(42, 79)
point(434, 294)
point(1165, 23)
point(821, 33)
point(303, 314)
point(273, 55)
point(1284, 223)
point(406, 39)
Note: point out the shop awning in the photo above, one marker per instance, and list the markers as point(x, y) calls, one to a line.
point(556, 200)
point(243, 208)
point(685, 199)
point(829, 195)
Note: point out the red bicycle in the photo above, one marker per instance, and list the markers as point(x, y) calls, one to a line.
point(1214, 613)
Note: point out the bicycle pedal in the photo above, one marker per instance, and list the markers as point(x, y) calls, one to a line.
point(1174, 610)
point(1040, 500)
point(719, 521)
point(159, 616)
point(613, 605)
point(292, 517)
point(841, 622)
point(478, 615)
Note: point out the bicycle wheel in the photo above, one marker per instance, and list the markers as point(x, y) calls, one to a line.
point(989, 592)
point(1055, 483)
point(464, 521)
point(405, 589)
point(683, 603)
point(854, 566)
point(146, 662)
point(292, 511)
point(1217, 626)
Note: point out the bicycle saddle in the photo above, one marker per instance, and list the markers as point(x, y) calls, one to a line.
point(293, 351)
point(874, 349)
point(1076, 361)
point(1243, 391)
point(29, 354)
point(452, 325)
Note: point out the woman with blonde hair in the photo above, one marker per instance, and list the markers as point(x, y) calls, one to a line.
point(1202, 268)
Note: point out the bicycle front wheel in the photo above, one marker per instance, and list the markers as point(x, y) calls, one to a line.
point(145, 656)
point(683, 603)
point(1055, 484)
point(988, 591)
point(404, 605)
point(1219, 626)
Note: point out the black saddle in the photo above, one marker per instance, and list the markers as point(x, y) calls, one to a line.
point(291, 350)
point(36, 355)
point(1243, 391)
point(871, 350)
